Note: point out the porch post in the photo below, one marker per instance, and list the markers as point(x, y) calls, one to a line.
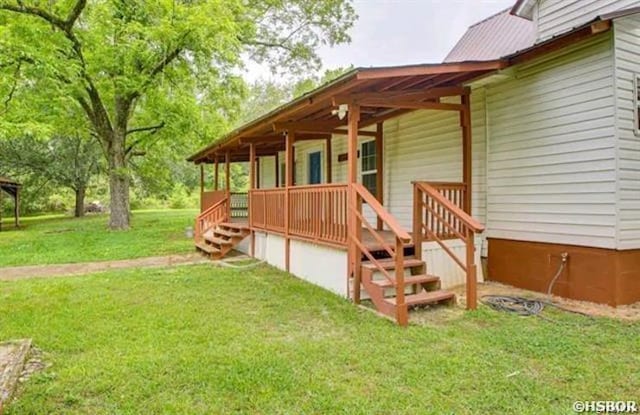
point(17, 207)
point(252, 185)
point(467, 152)
point(227, 170)
point(467, 156)
point(215, 174)
point(289, 160)
point(379, 170)
point(277, 172)
point(354, 227)
point(201, 179)
point(328, 157)
point(227, 173)
point(258, 173)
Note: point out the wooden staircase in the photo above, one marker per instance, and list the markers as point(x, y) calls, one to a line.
point(215, 234)
point(225, 236)
point(421, 289)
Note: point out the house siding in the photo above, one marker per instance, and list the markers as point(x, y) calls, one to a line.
point(558, 16)
point(552, 149)
point(627, 64)
point(427, 146)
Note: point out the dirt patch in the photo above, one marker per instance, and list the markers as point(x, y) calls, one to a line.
point(59, 270)
point(628, 312)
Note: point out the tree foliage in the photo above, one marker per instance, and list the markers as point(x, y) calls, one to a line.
point(146, 72)
point(67, 161)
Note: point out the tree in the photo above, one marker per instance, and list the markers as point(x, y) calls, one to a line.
point(68, 161)
point(134, 67)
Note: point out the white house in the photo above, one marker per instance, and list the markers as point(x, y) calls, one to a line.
point(522, 147)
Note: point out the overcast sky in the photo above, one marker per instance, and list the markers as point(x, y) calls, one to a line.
point(400, 32)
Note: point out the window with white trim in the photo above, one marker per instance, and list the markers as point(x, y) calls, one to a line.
point(368, 164)
point(636, 104)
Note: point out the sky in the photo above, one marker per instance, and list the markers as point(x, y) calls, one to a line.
point(401, 32)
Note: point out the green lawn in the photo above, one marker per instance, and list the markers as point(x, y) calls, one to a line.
point(204, 340)
point(57, 239)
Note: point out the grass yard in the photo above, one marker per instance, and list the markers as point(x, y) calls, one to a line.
point(58, 239)
point(203, 340)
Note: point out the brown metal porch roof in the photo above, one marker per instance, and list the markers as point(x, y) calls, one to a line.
point(316, 106)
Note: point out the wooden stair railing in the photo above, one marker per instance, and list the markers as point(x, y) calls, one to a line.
point(211, 217)
point(395, 251)
point(437, 218)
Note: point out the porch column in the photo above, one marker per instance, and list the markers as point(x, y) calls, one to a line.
point(227, 170)
point(277, 172)
point(201, 179)
point(258, 173)
point(227, 173)
point(328, 160)
point(354, 226)
point(289, 160)
point(215, 174)
point(379, 170)
point(467, 156)
point(467, 152)
point(252, 185)
point(17, 207)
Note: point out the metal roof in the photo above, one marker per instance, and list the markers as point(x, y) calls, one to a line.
point(494, 37)
point(317, 105)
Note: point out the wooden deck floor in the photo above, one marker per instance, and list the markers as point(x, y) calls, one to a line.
point(368, 239)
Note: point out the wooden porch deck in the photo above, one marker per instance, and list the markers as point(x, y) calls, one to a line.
point(367, 238)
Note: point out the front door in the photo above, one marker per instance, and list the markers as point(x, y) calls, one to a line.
point(315, 168)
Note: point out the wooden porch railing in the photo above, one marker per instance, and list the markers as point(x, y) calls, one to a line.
point(359, 195)
point(317, 213)
point(437, 218)
point(208, 199)
point(211, 217)
point(267, 209)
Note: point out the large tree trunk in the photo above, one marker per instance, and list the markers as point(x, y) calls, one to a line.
point(80, 193)
point(118, 181)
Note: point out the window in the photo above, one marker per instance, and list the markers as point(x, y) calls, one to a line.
point(368, 166)
point(636, 104)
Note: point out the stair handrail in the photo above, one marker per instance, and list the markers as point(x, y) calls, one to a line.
point(211, 217)
point(358, 248)
point(457, 221)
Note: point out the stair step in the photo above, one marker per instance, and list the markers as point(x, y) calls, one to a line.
point(237, 226)
point(425, 297)
point(228, 234)
point(207, 248)
point(390, 264)
point(217, 241)
point(408, 280)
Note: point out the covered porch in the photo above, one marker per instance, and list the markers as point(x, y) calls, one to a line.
point(337, 198)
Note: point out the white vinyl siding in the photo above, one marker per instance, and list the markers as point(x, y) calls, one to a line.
point(427, 146)
point(552, 149)
point(559, 16)
point(627, 66)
